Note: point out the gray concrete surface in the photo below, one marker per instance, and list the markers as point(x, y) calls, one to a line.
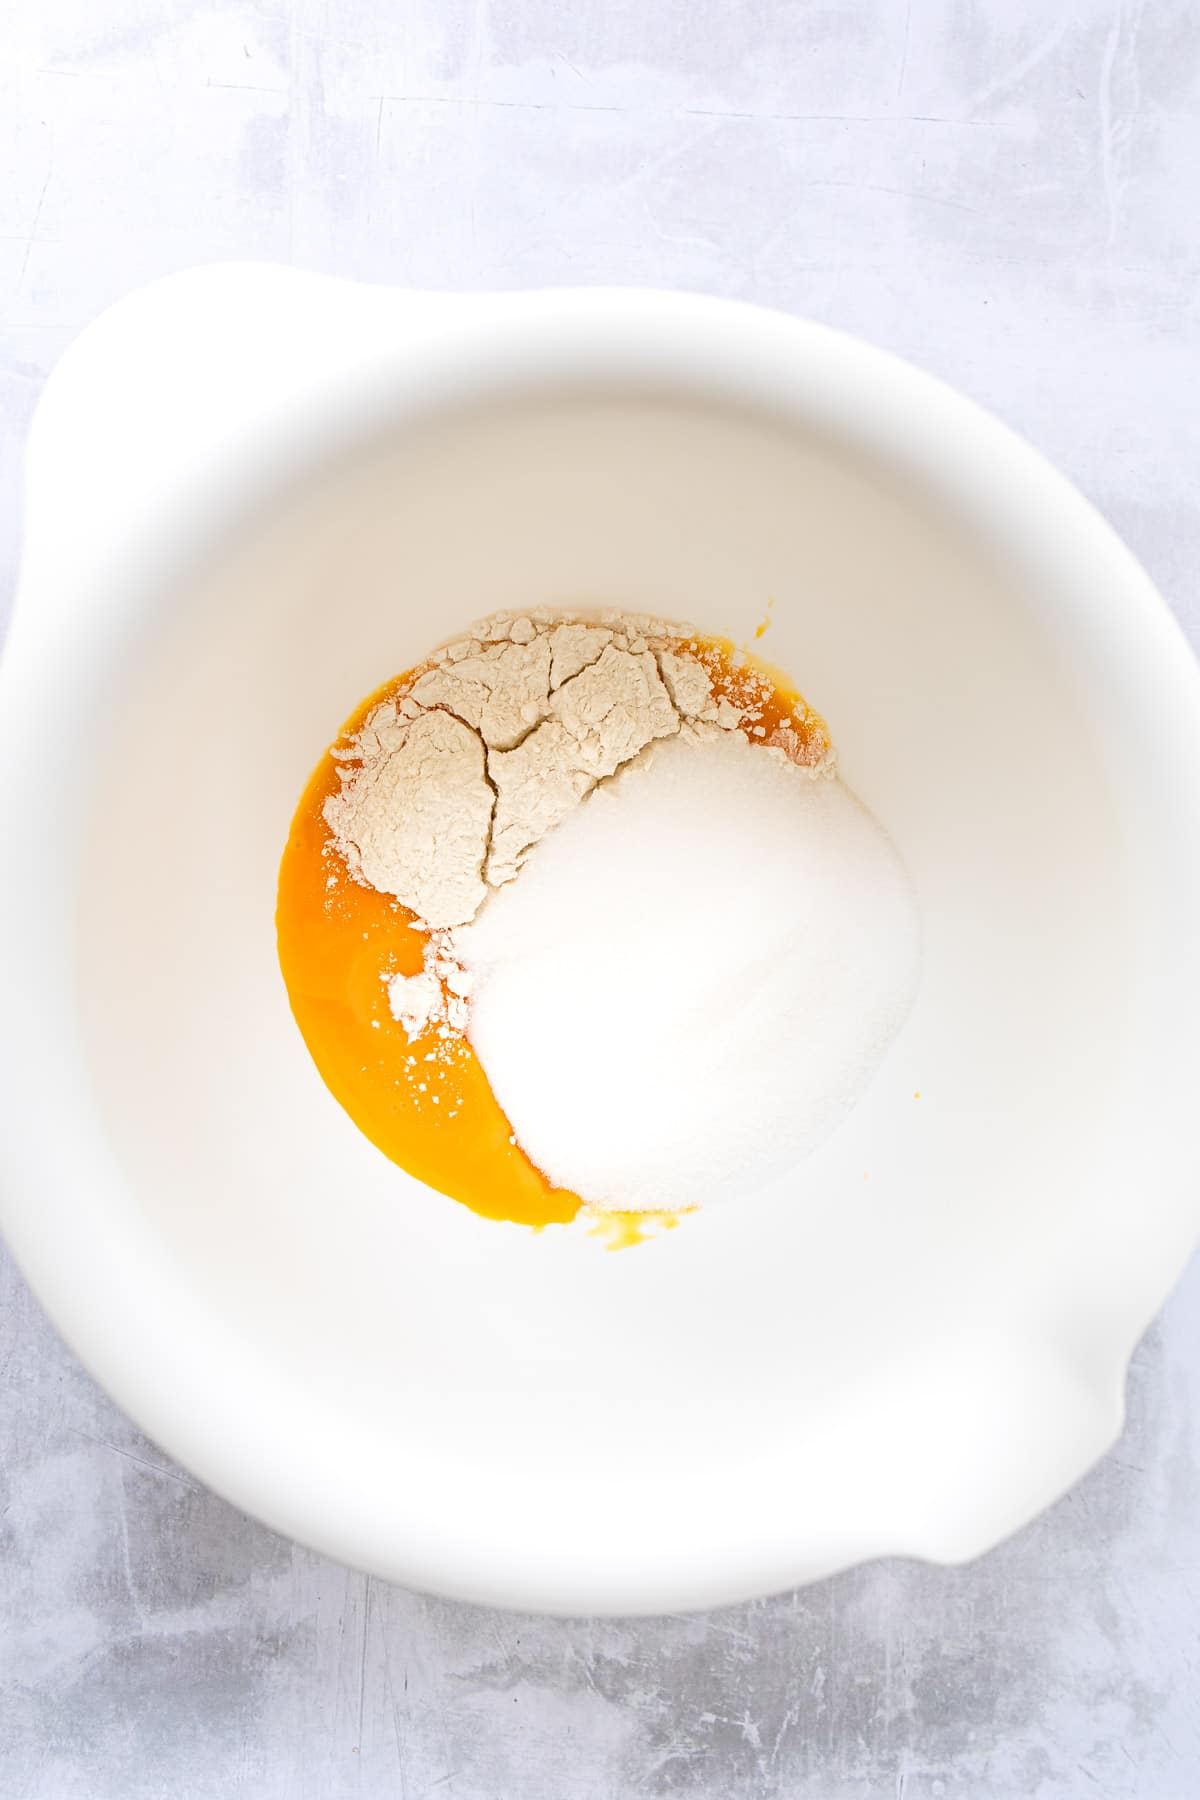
point(1006, 192)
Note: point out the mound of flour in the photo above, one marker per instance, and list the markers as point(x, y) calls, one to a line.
point(695, 977)
point(450, 783)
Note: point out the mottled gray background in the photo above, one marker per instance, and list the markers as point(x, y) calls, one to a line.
point(1006, 191)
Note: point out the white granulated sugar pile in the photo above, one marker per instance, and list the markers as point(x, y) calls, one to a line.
point(694, 978)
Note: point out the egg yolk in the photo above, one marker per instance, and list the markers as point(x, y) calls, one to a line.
point(426, 1103)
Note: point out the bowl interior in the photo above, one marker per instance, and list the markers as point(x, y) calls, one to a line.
point(541, 1391)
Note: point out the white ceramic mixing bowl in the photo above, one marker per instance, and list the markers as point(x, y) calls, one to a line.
point(253, 495)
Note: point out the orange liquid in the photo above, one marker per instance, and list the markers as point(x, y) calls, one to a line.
point(428, 1104)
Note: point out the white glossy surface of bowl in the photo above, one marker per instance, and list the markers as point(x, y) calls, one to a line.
point(253, 495)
